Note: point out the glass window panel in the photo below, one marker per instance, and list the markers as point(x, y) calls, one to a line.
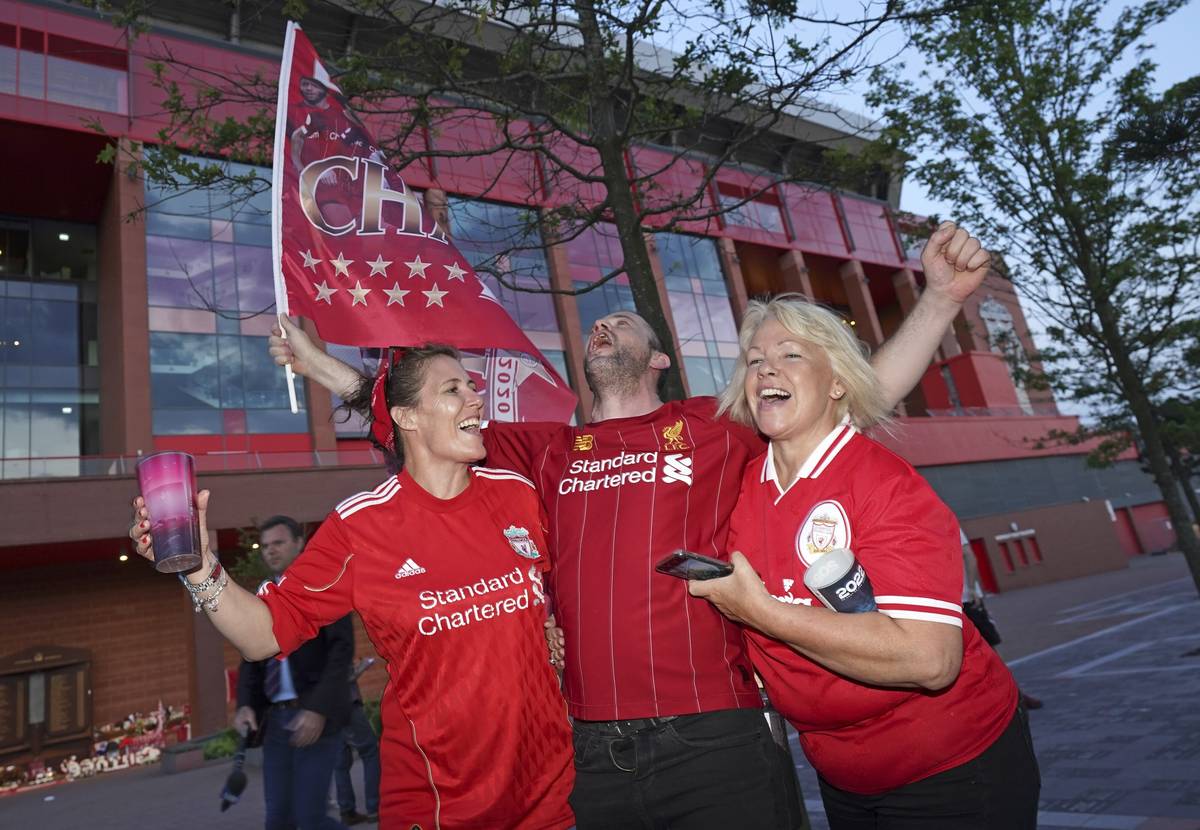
point(187, 422)
point(33, 74)
point(186, 226)
point(53, 432)
point(86, 85)
point(16, 376)
point(16, 430)
point(264, 383)
point(50, 291)
point(183, 370)
point(229, 354)
point(245, 233)
point(8, 70)
point(206, 383)
point(687, 316)
point(18, 328)
point(260, 421)
point(720, 314)
point(55, 333)
point(256, 282)
point(233, 421)
point(182, 319)
point(259, 325)
point(700, 376)
point(224, 272)
point(50, 376)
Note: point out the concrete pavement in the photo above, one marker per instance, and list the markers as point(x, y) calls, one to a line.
point(1115, 657)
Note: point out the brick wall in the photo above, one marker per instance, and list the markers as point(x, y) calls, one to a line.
point(1073, 539)
point(134, 621)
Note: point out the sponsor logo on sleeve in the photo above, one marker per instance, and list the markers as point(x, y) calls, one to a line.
point(825, 528)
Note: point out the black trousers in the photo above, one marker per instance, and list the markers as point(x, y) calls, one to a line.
point(694, 772)
point(996, 791)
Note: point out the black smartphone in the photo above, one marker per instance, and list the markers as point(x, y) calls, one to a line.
point(687, 565)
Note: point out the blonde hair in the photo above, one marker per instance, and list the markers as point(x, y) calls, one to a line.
point(808, 321)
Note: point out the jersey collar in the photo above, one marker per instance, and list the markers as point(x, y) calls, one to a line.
point(817, 460)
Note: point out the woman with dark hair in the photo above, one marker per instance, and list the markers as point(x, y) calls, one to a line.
point(909, 719)
point(444, 562)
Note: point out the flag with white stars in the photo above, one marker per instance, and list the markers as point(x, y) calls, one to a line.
point(357, 253)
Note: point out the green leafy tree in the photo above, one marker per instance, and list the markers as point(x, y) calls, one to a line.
point(573, 85)
point(1013, 122)
point(1163, 131)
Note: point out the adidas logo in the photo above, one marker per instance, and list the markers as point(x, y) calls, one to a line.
point(409, 568)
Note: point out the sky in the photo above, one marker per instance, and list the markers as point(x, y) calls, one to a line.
point(1174, 44)
point(1173, 49)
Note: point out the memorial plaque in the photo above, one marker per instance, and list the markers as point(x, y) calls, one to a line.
point(14, 725)
point(45, 697)
point(64, 704)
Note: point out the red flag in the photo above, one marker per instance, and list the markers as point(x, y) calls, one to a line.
point(356, 253)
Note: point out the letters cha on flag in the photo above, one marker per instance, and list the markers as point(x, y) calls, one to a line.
point(356, 253)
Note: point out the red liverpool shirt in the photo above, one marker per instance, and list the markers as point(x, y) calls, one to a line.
point(451, 595)
point(622, 494)
point(852, 493)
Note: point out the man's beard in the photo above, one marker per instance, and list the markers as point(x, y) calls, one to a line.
point(616, 374)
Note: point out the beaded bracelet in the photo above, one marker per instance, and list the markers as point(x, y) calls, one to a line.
point(217, 579)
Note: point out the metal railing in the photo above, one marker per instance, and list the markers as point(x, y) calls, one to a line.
point(101, 466)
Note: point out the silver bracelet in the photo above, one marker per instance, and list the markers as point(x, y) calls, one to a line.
point(211, 602)
point(217, 579)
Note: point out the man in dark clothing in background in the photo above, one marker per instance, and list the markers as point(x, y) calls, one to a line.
point(301, 704)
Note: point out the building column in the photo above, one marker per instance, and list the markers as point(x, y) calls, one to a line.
point(206, 674)
point(124, 314)
point(731, 267)
point(795, 274)
point(569, 324)
point(858, 294)
point(660, 283)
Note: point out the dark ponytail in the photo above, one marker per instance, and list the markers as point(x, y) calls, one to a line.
point(405, 378)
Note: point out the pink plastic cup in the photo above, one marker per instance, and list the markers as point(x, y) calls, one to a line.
point(168, 484)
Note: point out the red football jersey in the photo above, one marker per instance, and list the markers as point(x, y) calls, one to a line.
point(451, 595)
point(622, 494)
point(852, 493)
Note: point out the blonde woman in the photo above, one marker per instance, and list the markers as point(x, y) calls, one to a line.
point(910, 720)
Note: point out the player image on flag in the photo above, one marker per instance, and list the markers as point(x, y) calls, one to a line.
point(356, 252)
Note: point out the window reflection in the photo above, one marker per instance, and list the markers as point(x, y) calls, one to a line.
point(212, 298)
point(49, 389)
point(704, 325)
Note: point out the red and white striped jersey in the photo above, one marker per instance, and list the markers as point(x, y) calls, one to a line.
point(620, 495)
point(853, 493)
point(451, 595)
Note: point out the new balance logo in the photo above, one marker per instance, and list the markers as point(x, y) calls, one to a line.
point(409, 568)
point(677, 467)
